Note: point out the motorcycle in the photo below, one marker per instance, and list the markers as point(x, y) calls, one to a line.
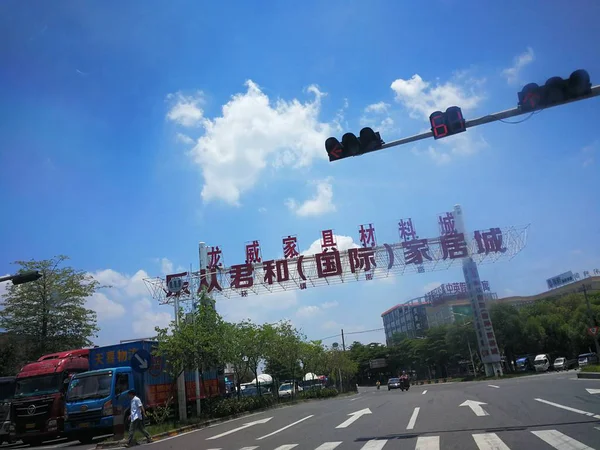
point(378, 386)
point(404, 382)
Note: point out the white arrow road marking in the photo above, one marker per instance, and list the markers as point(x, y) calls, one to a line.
point(246, 425)
point(494, 386)
point(568, 408)
point(374, 444)
point(428, 443)
point(593, 391)
point(142, 361)
point(489, 441)
point(354, 417)
point(284, 428)
point(328, 445)
point(413, 419)
point(424, 392)
point(560, 441)
point(475, 407)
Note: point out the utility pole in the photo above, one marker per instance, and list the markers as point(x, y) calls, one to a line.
point(343, 341)
point(591, 317)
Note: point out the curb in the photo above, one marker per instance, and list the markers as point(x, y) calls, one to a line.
point(208, 423)
point(590, 375)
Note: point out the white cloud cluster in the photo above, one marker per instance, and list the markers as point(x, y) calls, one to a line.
point(251, 133)
point(589, 154)
point(310, 311)
point(421, 98)
point(377, 117)
point(186, 111)
point(343, 243)
point(321, 203)
point(512, 73)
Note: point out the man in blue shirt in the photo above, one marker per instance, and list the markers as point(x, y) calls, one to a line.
point(137, 418)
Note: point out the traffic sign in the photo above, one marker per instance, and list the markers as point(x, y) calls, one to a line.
point(593, 331)
point(140, 361)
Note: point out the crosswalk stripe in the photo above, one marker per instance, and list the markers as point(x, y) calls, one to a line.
point(489, 441)
point(560, 441)
point(328, 445)
point(374, 444)
point(428, 443)
point(248, 448)
point(286, 447)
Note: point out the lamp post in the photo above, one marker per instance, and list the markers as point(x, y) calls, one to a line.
point(468, 342)
point(23, 277)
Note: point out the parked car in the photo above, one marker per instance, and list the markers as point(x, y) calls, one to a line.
point(562, 363)
point(587, 359)
point(285, 390)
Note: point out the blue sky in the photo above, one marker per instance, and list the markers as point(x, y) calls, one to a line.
point(132, 130)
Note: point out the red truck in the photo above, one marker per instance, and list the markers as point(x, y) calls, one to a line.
point(38, 405)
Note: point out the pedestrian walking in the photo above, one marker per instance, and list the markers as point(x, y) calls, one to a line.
point(137, 419)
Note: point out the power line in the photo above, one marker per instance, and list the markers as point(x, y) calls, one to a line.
point(352, 332)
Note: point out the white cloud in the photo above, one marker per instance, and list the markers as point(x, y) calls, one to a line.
point(443, 151)
point(105, 308)
point(431, 286)
point(166, 266)
point(512, 73)
point(421, 98)
point(262, 209)
point(252, 133)
point(328, 305)
point(186, 110)
point(380, 107)
point(321, 203)
point(306, 312)
point(145, 319)
point(259, 308)
point(588, 154)
point(343, 243)
point(184, 139)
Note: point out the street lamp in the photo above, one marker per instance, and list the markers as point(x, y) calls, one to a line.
point(23, 277)
point(468, 342)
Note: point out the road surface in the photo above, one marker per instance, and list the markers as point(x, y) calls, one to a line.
point(538, 412)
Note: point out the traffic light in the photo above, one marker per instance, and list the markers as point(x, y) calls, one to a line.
point(351, 145)
point(556, 91)
point(447, 123)
point(26, 277)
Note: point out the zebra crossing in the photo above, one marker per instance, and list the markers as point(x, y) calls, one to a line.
point(481, 441)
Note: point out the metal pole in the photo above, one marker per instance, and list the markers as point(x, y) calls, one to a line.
point(591, 318)
point(471, 355)
point(343, 341)
point(181, 399)
point(202, 260)
point(487, 119)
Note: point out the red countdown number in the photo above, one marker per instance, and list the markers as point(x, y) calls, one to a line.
point(438, 125)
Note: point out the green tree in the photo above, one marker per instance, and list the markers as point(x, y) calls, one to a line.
point(50, 313)
point(283, 352)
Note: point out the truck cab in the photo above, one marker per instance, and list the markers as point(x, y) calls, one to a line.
point(542, 363)
point(93, 399)
point(38, 405)
point(7, 392)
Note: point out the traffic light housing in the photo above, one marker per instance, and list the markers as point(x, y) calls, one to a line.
point(447, 123)
point(25, 277)
point(555, 91)
point(351, 145)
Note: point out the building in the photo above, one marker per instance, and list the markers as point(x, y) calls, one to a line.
point(446, 304)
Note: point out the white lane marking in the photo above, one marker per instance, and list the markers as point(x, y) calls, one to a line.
point(494, 386)
point(424, 392)
point(355, 398)
point(489, 441)
point(214, 449)
point(375, 444)
point(249, 448)
point(354, 417)
point(243, 427)
point(413, 419)
point(284, 428)
point(568, 408)
point(286, 447)
point(560, 441)
point(328, 445)
point(428, 443)
point(593, 391)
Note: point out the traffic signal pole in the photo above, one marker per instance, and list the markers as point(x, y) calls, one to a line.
point(595, 92)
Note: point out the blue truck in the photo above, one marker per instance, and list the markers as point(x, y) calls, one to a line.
point(95, 397)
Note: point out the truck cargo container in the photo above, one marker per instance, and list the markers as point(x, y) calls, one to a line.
point(95, 397)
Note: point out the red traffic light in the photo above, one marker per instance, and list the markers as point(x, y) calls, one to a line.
point(334, 149)
point(555, 91)
point(351, 145)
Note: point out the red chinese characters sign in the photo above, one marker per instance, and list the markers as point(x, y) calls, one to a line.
point(338, 262)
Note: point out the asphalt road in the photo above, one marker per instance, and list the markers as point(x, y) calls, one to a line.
point(537, 412)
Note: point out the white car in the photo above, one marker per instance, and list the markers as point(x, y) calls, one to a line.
point(285, 390)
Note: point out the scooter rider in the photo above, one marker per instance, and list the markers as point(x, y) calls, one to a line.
point(378, 384)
